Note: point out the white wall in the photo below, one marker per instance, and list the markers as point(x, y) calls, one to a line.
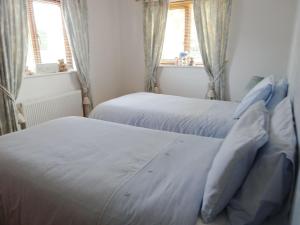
point(104, 28)
point(183, 81)
point(40, 86)
point(132, 46)
point(260, 41)
point(294, 66)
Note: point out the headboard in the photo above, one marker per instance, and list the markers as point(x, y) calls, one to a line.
point(295, 96)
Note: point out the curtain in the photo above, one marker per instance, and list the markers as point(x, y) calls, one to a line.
point(155, 20)
point(212, 19)
point(13, 54)
point(75, 15)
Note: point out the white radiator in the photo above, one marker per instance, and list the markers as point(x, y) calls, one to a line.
point(41, 110)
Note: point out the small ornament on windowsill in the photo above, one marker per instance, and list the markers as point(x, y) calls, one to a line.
point(62, 67)
point(28, 72)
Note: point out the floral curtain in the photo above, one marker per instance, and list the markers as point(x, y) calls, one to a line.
point(75, 15)
point(212, 19)
point(13, 53)
point(155, 20)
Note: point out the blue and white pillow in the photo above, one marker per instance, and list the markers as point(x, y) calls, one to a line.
point(234, 160)
point(269, 182)
point(263, 91)
point(280, 92)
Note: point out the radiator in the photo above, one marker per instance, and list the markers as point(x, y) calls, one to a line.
point(41, 110)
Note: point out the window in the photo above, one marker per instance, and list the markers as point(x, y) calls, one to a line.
point(48, 40)
point(181, 42)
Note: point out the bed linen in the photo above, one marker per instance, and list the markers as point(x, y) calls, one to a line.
point(88, 172)
point(222, 219)
point(170, 113)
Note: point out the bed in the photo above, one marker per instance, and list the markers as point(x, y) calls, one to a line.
point(83, 171)
point(59, 174)
point(170, 113)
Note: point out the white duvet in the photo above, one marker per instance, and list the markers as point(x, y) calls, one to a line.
point(77, 171)
point(170, 113)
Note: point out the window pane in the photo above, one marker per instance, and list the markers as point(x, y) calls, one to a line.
point(30, 56)
point(50, 31)
point(195, 50)
point(174, 37)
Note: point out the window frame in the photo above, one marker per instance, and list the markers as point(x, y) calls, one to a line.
point(187, 5)
point(35, 37)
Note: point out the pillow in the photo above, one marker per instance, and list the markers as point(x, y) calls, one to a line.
point(234, 159)
point(280, 92)
point(271, 178)
point(261, 92)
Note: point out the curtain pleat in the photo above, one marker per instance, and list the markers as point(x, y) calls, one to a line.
point(212, 18)
point(75, 14)
point(13, 53)
point(155, 20)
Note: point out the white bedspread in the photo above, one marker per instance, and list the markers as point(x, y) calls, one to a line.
point(77, 171)
point(221, 220)
point(170, 113)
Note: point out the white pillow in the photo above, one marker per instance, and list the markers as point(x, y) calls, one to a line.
point(234, 160)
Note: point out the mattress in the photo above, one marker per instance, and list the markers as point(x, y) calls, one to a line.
point(170, 113)
point(77, 171)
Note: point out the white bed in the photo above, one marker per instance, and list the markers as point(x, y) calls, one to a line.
point(170, 113)
point(77, 171)
point(221, 220)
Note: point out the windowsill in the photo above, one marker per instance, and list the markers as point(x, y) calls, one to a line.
point(175, 66)
point(49, 74)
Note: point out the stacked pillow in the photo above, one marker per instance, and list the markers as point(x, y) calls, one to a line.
point(271, 178)
point(253, 172)
point(279, 93)
point(234, 159)
point(268, 91)
point(263, 91)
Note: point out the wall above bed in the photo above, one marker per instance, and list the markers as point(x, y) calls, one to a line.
point(260, 40)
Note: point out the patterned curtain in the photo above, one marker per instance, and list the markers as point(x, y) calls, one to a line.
point(75, 15)
point(13, 54)
point(155, 20)
point(212, 19)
